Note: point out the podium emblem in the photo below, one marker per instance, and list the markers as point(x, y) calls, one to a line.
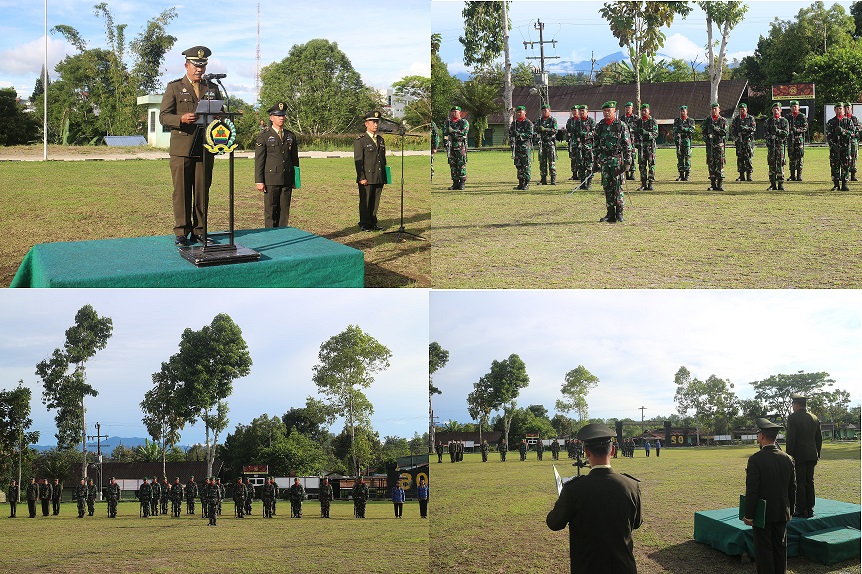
point(221, 137)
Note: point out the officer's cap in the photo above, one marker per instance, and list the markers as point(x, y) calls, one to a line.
point(681, 108)
point(375, 115)
point(776, 105)
point(595, 434)
point(798, 398)
point(714, 105)
point(766, 424)
point(546, 107)
point(610, 104)
point(644, 106)
point(629, 104)
point(455, 109)
point(277, 109)
point(743, 105)
point(794, 102)
point(197, 55)
point(521, 109)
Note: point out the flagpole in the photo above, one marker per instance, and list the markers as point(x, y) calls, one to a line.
point(45, 92)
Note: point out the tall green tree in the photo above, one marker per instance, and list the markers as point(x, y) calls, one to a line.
point(774, 392)
point(480, 403)
point(64, 390)
point(165, 416)
point(725, 16)
point(712, 401)
point(437, 359)
point(837, 74)
point(348, 363)
point(486, 37)
point(444, 88)
point(309, 420)
point(149, 49)
point(15, 423)
point(504, 383)
point(322, 91)
point(480, 100)
point(637, 25)
point(578, 384)
point(17, 127)
point(416, 89)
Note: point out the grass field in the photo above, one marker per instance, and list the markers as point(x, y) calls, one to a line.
point(83, 200)
point(490, 518)
point(677, 236)
point(128, 544)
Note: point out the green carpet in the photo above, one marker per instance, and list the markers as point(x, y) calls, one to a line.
point(289, 257)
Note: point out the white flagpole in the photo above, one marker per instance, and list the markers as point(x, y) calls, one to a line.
point(45, 91)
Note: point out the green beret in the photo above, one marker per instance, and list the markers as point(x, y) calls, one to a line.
point(848, 105)
point(455, 109)
point(776, 105)
point(714, 105)
point(644, 106)
point(839, 105)
point(546, 107)
point(609, 104)
point(576, 107)
point(521, 109)
point(629, 104)
point(681, 108)
point(794, 102)
point(743, 105)
point(584, 107)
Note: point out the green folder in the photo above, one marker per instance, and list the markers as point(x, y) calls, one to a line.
point(759, 512)
point(388, 175)
point(296, 177)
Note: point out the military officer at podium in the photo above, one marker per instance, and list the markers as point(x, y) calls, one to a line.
point(186, 149)
point(369, 154)
point(276, 154)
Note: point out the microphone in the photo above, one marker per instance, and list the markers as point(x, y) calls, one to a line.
point(214, 76)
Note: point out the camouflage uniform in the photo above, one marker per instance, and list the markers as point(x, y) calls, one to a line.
point(682, 131)
point(12, 498)
point(211, 498)
point(81, 498)
point(540, 448)
point(156, 493)
point(325, 497)
point(56, 496)
point(436, 140)
point(455, 131)
point(715, 136)
point(521, 139)
point(249, 496)
point(267, 494)
point(113, 499)
point(614, 156)
point(586, 155)
point(191, 494)
point(572, 142)
point(176, 497)
point(742, 131)
point(522, 448)
point(297, 495)
point(854, 141)
point(239, 499)
point(777, 130)
point(838, 134)
point(166, 491)
point(92, 491)
point(546, 130)
point(555, 449)
point(646, 132)
point(796, 144)
point(360, 497)
point(484, 448)
point(503, 448)
point(629, 120)
point(144, 496)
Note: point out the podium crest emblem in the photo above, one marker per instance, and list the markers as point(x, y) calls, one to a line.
point(221, 137)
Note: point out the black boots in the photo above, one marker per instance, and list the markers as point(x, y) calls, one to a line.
point(611, 216)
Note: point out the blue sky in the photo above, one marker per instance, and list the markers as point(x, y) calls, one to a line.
point(384, 43)
point(635, 341)
point(283, 329)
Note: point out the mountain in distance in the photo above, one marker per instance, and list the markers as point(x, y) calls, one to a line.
point(107, 444)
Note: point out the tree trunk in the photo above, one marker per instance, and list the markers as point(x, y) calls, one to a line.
point(84, 436)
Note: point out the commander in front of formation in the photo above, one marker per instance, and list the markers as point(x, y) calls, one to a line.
point(276, 155)
point(369, 155)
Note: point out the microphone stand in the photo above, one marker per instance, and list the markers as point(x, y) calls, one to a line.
point(401, 231)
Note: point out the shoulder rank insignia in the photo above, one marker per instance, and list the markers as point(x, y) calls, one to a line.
point(630, 476)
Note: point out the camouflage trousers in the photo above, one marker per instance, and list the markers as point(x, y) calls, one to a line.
point(683, 155)
point(744, 155)
point(854, 153)
point(324, 508)
point(523, 163)
point(548, 160)
point(715, 160)
point(585, 166)
point(574, 158)
point(612, 183)
point(458, 164)
point(359, 508)
point(775, 157)
point(796, 155)
point(646, 163)
point(839, 161)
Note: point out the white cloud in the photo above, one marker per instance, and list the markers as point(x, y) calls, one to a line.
point(679, 46)
point(26, 60)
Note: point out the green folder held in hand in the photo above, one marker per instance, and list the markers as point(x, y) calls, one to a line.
point(388, 175)
point(296, 177)
point(759, 512)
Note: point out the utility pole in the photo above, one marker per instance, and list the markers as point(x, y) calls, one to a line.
point(642, 409)
point(98, 436)
point(257, 61)
point(540, 76)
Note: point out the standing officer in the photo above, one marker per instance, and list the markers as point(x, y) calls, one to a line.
point(521, 140)
point(683, 128)
point(166, 493)
point(81, 497)
point(45, 492)
point(804, 442)
point(267, 493)
point(715, 135)
point(796, 144)
point(777, 130)
point(325, 497)
point(191, 495)
point(838, 132)
point(546, 128)
point(770, 477)
point(113, 498)
point(187, 170)
point(484, 448)
point(601, 508)
point(572, 142)
point(629, 120)
point(239, 498)
point(360, 496)
point(646, 132)
point(56, 496)
point(555, 449)
point(742, 130)
point(455, 131)
point(91, 497)
point(540, 448)
point(854, 139)
point(369, 155)
point(32, 497)
point(503, 448)
point(438, 448)
point(276, 154)
point(12, 498)
point(249, 496)
point(156, 496)
point(522, 449)
point(145, 494)
point(586, 139)
point(614, 157)
point(176, 497)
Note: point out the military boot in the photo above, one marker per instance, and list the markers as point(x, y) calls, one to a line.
point(780, 185)
point(792, 175)
point(453, 186)
point(799, 174)
point(687, 176)
point(520, 185)
point(711, 184)
point(544, 180)
point(681, 176)
point(771, 184)
point(741, 176)
point(853, 176)
point(649, 185)
point(844, 185)
point(643, 184)
point(573, 178)
point(749, 176)
point(719, 181)
point(526, 185)
point(461, 184)
point(611, 215)
point(835, 185)
point(619, 214)
point(553, 180)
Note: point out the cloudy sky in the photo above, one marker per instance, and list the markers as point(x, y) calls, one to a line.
point(283, 329)
point(580, 30)
point(635, 341)
point(384, 42)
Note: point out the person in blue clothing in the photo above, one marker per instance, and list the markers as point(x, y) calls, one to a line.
point(422, 495)
point(398, 496)
point(647, 446)
point(658, 447)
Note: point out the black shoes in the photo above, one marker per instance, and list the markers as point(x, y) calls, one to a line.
point(181, 241)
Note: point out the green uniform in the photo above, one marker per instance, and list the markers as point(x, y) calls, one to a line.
point(211, 499)
point(715, 136)
point(854, 145)
point(838, 134)
point(455, 132)
point(296, 493)
point(239, 499)
point(646, 132)
point(191, 495)
point(770, 476)
point(796, 144)
point(682, 131)
point(176, 498)
point(144, 496)
point(156, 494)
point(360, 497)
point(777, 130)
point(521, 139)
point(742, 131)
point(91, 498)
point(804, 442)
point(522, 449)
point(540, 448)
point(324, 495)
point(546, 129)
point(586, 129)
point(613, 156)
point(113, 493)
point(484, 449)
point(12, 498)
point(267, 494)
point(276, 157)
point(81, 498)
point(572, 145)
point(629, 121)
point(503, 448)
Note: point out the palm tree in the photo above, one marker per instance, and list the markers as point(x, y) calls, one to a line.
point(480, 100)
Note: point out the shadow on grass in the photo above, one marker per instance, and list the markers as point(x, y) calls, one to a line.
point(692, 557)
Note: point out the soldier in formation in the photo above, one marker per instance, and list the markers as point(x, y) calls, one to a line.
point(839, 131)
point(249, 496)
point(56, 496)
point(540, 448)
point(645, 134)
point(742, 130)
point(683, 128)
point(45, 492)
point(614, 157)
point(629, 118)
point(522, 449)
point(12, 495)
point(221, 494)
point(239, 498)
point(854, 139)
point(325, 497)
point(804, 443)
point(92, 491)
point(165, 494)
point(360, 497)
point(81, 497)
point(191, 495)
point(436, 140)
point(503, 448)
point(113, 498)
point(484, 448)
point(521, 140)
point(156, 494)
point(777, 130)
point(267, 494)
point(555, 449)
point(455, 132)
point(176, 497)
point(212, 500)
point(145, 497)
point(572, 142)
point(451, 451)
point(715, 136)
point(32, 497)
point(438, 448)
point(796, 143)
point(546, 131)
point(586, 129)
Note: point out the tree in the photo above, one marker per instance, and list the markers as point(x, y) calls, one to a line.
point(206, 366)
point(17, 127)
point(480, 403)
point(309, 420)
point(149, 48)
point(832, 406)
point(637, 25)
point(856, 12)
point(579, 383)
point(65, 391)
point(39, 87)
point(322, 91)
point(359, 451)
point(504, 383)
point(726, 16)
point(164, 415)
point(297, 454)
point(348, 362)
point(444, 88)
point(837, 74)
point(417, 90)
point(713, 401)
point(480, 100)
point(774, 392)
point(14, 424)
point(149, 452)
point(437, 359)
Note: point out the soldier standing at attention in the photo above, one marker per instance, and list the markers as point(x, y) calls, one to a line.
point(777, 130)
point(796, 143)
point(629, 120)
point(81, 497)
point(166, 491)
point(239, 498)
point(601, 509)
point(212, 499)
point(276, 154)
point(572, 142)
point(614, 156)
point(32, 497)
point(113, 498)
point(522, 449)
point(221, 494)
point(249, 496)
point(503, 448)
point(145, 495)
point(546, 128)
point(267, 493)
point(540, 448)
point(12, 498)
point(45, 492)
point(191, 495)
point(92, 491)
point(325, 497)
point(56, 496)
point(742, 129)
point(275, 497)
point(176, 497)
point(297, 495)
point(156, 496)
point(369, 155)
point(586, 138)
point(484, 449)
point(715, 135)
point(854, 139)
point(360, 497)
point(646, 132)
point(555, 449)
point(521, 140)
point(177, 112)
point(438, 448)
point(804, 442)
point(455, 131)
point(838, 132)
point(683, 127)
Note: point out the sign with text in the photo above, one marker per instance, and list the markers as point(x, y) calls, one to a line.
point(793, 92)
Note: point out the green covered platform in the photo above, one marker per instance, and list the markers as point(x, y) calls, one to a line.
point(723, 530)
point(289, 257)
